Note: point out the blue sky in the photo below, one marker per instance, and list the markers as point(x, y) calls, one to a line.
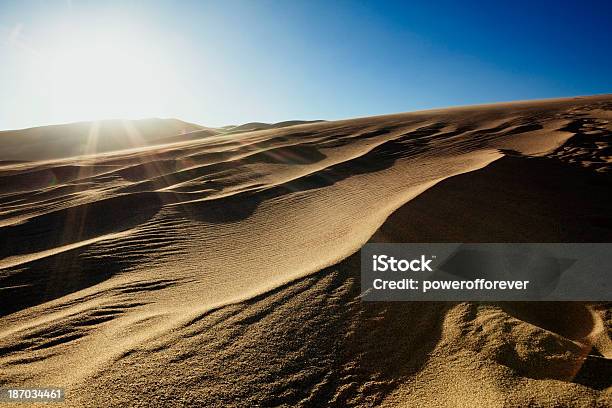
point(230, 62)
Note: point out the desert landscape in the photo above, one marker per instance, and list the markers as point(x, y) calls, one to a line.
point(163, 263)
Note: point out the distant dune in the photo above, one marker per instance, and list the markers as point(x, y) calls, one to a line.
point(252, 126)
point(207, 268)
point(82, 138)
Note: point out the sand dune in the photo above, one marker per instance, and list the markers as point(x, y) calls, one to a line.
point(252, 126)
point(84, 138)
point(223, 269)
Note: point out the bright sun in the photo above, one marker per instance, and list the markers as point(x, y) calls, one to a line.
point(101, 74)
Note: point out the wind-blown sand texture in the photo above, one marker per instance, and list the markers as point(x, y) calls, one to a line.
point(200, 268)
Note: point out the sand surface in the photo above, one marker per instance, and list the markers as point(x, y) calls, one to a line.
point(186, 266)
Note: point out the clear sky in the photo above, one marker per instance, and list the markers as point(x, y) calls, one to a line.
point(230, 62)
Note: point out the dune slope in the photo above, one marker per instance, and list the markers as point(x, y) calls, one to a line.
point(224, 270)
